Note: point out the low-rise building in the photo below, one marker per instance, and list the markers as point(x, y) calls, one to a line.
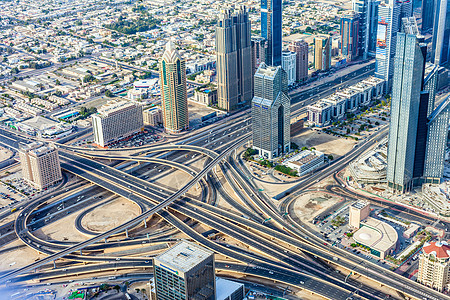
point(153, 116)
point(377, 84)
point(115, 121)
point(434, 261)
point(370, 168)
point(353, 98)
point(366, 92)
point(339, 105)
point(320, 113)
point(306, 161)
point(206, 95)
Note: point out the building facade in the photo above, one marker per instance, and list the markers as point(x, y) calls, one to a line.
point(368, 23)
point(440, 48)
point(301, 48)
point(185, 271)
point(358, 211)
point(271, 29)
point(434, 265)
point(172, 73)
point(289, 65)
point(408, 76)
point(259, 49)
point(116, 120)
point(271, 111)
point(350, 44)
point(322, 53)
point(40, 164)
point(234, 59)
point(427, 15)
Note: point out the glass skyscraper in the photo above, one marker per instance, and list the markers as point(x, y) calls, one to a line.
point(271, 29)
point(271, 111)
point(368, 21)
point(440, 48)
point(427, 14)
point(406, 92)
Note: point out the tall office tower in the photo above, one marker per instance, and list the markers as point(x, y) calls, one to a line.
point(172, 74)
point(430, 85)
point(349, 35)
point(271, 111)
point(116, 120)
point(407, 83)
point(288, 63)
point(322, 53)
point(259, 49)
point(434, 262)
point(440, 48)
point(301, 48)
point(271, 29)
point(436, 142)
point(368, 22)
point(427, 15)
point(234, 59)
point(184, 272)
point(388, 26)
point(40, 164)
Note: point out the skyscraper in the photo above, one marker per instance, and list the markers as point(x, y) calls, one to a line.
point(388, 26)
point(427, 15)
point(172, 74)
point(184, 272)
point(407, 83)
point(271, 29)
point(350, 35)
point(259, 49)
point(440, 48)
point(234, 59)
point(301, 48)
point(322, 52)
point(289, 65)
point(271, 111)
point(40, 164)
point(368, 22)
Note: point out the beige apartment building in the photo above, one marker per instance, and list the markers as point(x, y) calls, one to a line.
point(434, 265)
point(115, 121)
point(153, 116)
point(322, 53)
point(40, 164)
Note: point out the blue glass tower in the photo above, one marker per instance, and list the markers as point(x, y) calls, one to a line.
point(271, 29)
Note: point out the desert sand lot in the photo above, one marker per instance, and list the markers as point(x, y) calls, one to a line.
point(309, 205)
point(110, 215)
point(326, 143)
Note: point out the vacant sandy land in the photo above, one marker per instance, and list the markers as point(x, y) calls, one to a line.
point(336, 146)
point(309, 205)
point(4, 153)
point(110, 215)
point(61, 230)
point(17, 257)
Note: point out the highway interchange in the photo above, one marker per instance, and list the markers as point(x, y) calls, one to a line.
point(280, 250)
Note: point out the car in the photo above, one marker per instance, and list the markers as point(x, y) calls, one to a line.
point(117, 258)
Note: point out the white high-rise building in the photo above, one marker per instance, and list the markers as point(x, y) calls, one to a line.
point(40, 164)
point(115, 121)
point(288, 63)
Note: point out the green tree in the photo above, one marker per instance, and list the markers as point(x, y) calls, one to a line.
point(109, 94)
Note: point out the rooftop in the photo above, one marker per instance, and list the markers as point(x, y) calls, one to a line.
point(439, 249)
point(184, 256)
point(376, 234)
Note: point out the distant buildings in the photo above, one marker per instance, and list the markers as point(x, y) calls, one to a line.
point(368, 23)
point(40, 164)
point(306, 161)
point(271, 30)
point(434, 261)
point(234, 59)
point(350, 35)
point(153, 116)
point(322, 53)
point(388, 26)
point(288, 63)
point(271, 111)
point(440, 48)
point(185, 271)
point(301, 48)
point(259, 49)
point(115, 121)
point(173, 90)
